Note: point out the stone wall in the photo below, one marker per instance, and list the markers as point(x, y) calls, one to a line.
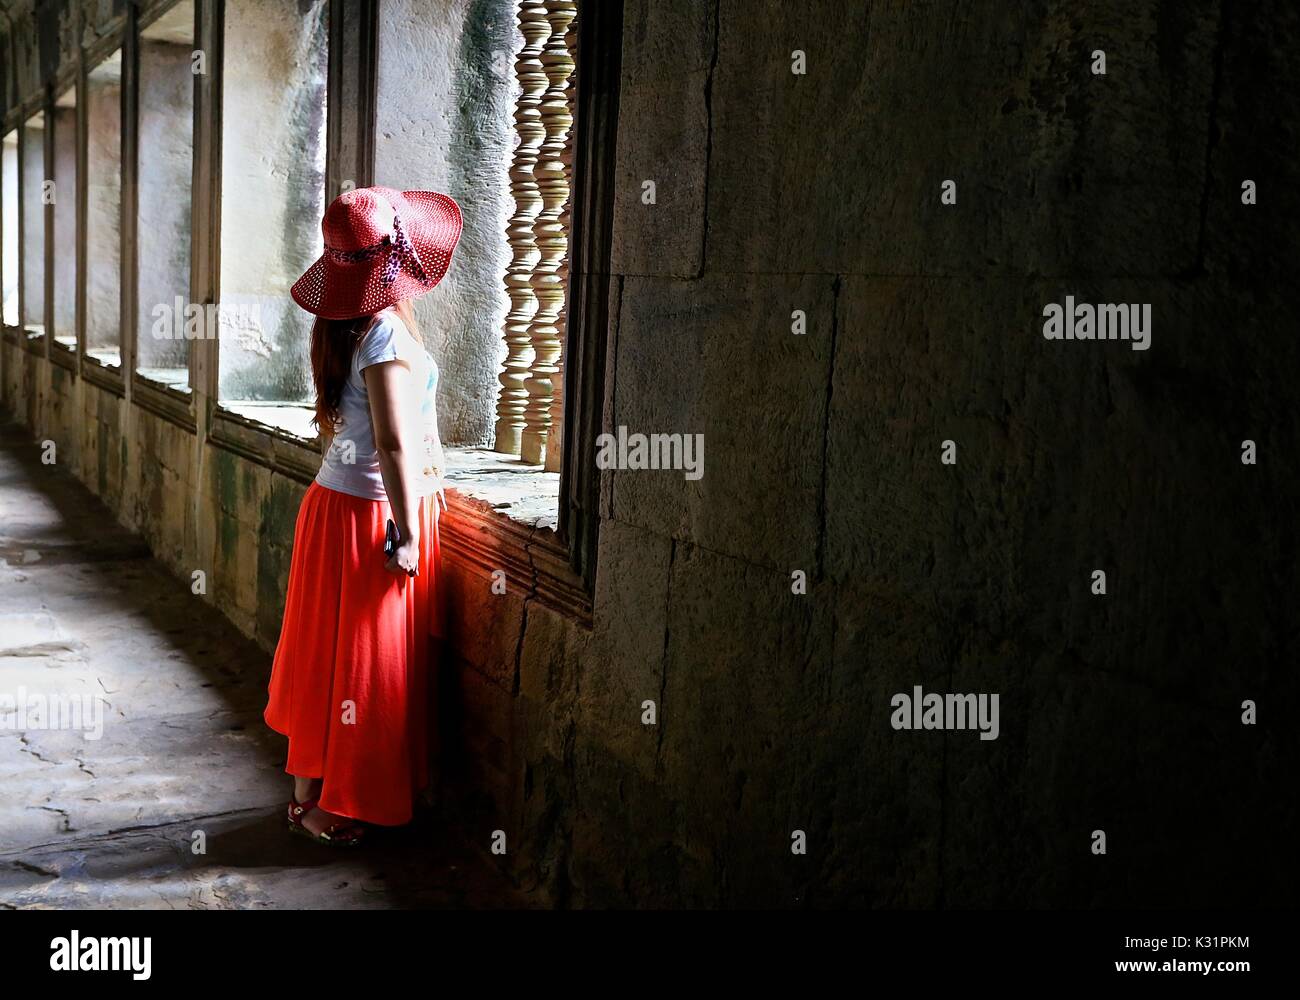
point(200, 508)
point(819, 193)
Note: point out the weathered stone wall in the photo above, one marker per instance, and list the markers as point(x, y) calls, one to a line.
point(820, 192)
point(200, 508)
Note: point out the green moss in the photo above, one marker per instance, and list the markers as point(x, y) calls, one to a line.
point(225, 472)
point(279, 513)
point(102, 450)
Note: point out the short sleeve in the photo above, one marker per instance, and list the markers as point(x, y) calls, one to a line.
point(386, 341)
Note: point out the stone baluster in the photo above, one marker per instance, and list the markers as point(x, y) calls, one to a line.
point(550, 234)
point(555, 435)
point(533, 80)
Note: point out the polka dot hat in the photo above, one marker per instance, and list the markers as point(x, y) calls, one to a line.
point(381, 245)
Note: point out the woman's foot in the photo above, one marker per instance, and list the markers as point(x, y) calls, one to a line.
point(318, 821)
point(307, 817)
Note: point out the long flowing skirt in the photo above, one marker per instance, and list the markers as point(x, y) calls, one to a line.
point(350, 683)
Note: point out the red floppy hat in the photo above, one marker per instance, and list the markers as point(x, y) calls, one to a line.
point(381, 245)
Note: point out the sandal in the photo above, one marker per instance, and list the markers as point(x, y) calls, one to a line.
point(346, 833)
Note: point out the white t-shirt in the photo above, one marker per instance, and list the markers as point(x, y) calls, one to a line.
point(351, 463)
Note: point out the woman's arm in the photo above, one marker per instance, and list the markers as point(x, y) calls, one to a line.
point(391, 388)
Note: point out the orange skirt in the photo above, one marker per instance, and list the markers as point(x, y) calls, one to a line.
point(350, 681)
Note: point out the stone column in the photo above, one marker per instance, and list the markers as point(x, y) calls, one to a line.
point(519, 234)
point(550, 233)
point(555, 436)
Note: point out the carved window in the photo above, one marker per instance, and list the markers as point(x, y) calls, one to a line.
point(165, 137)
point(273, 134)
point(530, 407)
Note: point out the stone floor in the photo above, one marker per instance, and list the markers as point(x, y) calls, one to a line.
point(182, 755)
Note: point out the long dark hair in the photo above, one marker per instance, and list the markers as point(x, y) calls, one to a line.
point(332, 344)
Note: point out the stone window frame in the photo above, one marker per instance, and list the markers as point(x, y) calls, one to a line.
point(22, 334)
point(15, 119)
point(158, 398)
point(117, 33)
point(121, 38)
point(554, 564)
point(67, 356)
point(122, 32)
point(116, 36)
point(282, 450)
point(4, 223)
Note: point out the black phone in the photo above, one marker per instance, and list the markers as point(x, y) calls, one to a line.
point(391, 538)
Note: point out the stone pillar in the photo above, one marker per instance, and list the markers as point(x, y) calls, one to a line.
point(550, 234)
point(523, 247)
point(555, 436)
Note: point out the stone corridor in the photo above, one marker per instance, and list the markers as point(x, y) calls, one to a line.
point(822, 243)
point(85, 613)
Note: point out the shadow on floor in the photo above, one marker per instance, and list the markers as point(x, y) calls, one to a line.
point(112, 815)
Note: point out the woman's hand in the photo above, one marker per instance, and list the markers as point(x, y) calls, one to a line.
point(405, 559)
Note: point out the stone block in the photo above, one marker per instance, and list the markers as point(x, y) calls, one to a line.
point(624, 663)
point(839, 170)
point(663, 138)
point(554, 648)
point(625, 848)
point(1253, 138)
point(879, 791)
point(482, 627)
point(744, 698)
point(275, 555)
point(718, 358)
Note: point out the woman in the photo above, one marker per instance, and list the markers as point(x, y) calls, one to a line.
point(350, 678)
